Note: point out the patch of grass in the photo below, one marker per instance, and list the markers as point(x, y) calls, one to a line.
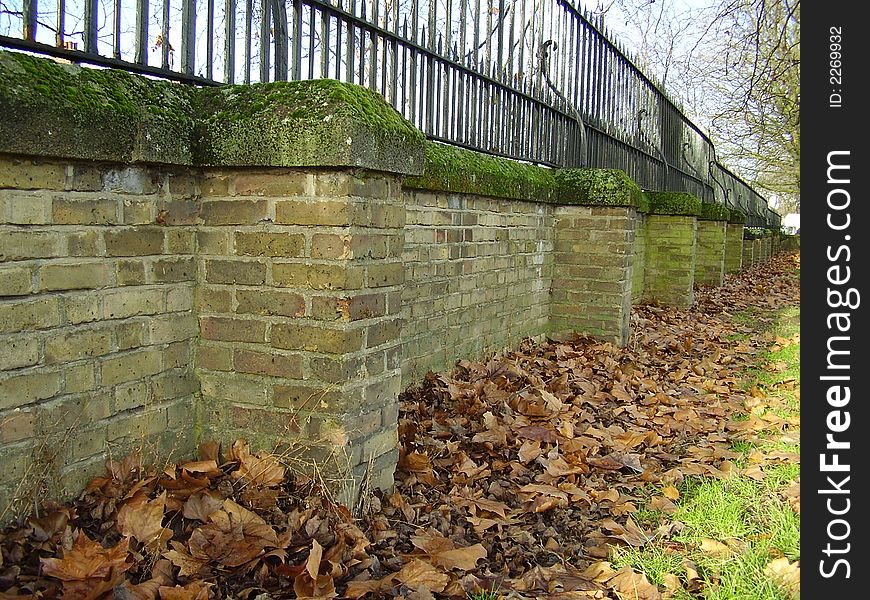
point(484, 595)
point(734, 528)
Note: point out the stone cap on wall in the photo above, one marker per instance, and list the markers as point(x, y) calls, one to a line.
point(61, 110)
point(453, 169)
point(674, 203)
point(737, 216)
point(714, 211)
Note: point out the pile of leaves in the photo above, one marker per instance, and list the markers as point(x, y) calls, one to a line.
point(516, 475)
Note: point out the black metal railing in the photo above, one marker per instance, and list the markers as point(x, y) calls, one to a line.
point(533, 80)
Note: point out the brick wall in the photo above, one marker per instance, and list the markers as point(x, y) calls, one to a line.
point(477, 276)
point(96, 319)
point(710, 252)
point(639, 262)
point(299, 303)
point(734, 248)
point(670, 259)
point(592, 274)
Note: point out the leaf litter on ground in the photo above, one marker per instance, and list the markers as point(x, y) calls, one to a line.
point(517, 474)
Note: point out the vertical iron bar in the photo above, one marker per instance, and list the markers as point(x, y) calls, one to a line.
point(265, 40)
point(90, 25)
point(164, 36)
point(312, 35)
point(116, 29)
point(141, 31)
point(476, 63)
point(209, 40)
point(403, 108)
point(373, 56)
point(351, 47)
point(430, 70)
point(230, 41)
point(188, 35)
point(28, 19)
point(297, 40)
point(324, 44)
point(338, 43)
point(362, 45)
point(61, 23)
point(279, 25)
point(412, 79)
point(249, 9)
point(395, 58)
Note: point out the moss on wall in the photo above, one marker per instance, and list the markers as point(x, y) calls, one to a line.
point(674, 203)
point(55, 109)
point(599, 187)
point(454, 169)
point(714, 211)
point(305, 123)
point(737, 216)
point(63, 110)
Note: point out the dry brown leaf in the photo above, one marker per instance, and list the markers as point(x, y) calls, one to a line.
point(715, 548)
point(195, 590)
point(142, 519)
point(421, 574)
point(261, 469)
point(786, 574)
point(88, 570)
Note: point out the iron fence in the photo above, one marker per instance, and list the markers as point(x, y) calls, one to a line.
point(532, 80)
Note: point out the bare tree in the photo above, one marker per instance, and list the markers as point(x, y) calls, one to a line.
point(735, 65)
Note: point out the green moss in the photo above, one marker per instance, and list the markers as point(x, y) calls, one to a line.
point(600, 187)
point(453, 169)
point(737, 216)
point(674, 203)
point(59, 109)
point(318, 123)
point(714, 211)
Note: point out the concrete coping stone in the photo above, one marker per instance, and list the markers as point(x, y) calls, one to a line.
point(674, 203)
point(61, 110)
point(459, 170)
point(714, 211)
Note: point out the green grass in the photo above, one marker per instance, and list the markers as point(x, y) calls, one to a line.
point(753, 521)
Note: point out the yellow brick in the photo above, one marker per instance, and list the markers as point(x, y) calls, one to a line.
point(74, 276)
point(270, 302)
point(134, 241)
point(81, 308)
point(179, 298)
point(31, 175)
point(137, 424)
point(130, 396)
point(172, 329)
point(80, 378)
point(18, 390)
point(133, 301)
point(130, 335)
point(16, 426)
point(262, 243)
point(16, 281)
point(43, 313)
point(309, 212)
point(278, 183)
point(130, 367)
point(234, 212)
point(231, 386)
point(22, 245)
point(18, 352)
point(85, 209)
point(24, 208)
point(130, 272)
point(74, 345)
